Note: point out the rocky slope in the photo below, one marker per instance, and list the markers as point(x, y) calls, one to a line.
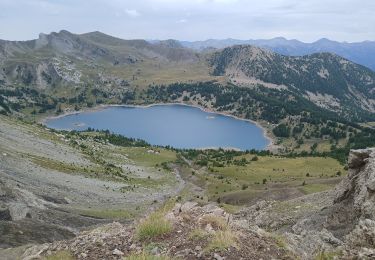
point(50, 189)
point(337, 224)
point(195, 229)
point(340, 222)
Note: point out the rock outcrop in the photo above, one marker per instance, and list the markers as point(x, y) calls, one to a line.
point(347, 226)
point(198, 232)
point(341, 221)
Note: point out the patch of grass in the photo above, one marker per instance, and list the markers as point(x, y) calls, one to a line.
point(222, 240)
point(153, 226)
point(280, 242)
point(218, 223)
point(141, 156)
point(60, 255)
point(56, 165)
point(232, 209)
point(145, 256)
point(315, 187)
point(107, 213)
point(198, 234)
point(227, 182)
point(327, 255)
point(156, 224)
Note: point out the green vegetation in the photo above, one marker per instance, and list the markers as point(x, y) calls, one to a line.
point(328, 255)
point(223, 240)
point(115, 214)
point(282, 130)
point(60, 255)
point(223, 237)
point(235, 178)
point(145, 256)
point(198, 234)
point(317, 73)
point(315, 187)
point(153, 226)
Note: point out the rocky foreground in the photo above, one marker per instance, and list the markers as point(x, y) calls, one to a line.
point(339, 224)
point(199, 232)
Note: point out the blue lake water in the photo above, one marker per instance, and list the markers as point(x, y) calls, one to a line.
point(175, 125)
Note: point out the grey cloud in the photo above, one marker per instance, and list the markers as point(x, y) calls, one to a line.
point(192, 19)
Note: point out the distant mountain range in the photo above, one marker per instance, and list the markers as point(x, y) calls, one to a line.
point(359, 52)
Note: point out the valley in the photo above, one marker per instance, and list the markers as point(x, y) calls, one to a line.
point(99, 192)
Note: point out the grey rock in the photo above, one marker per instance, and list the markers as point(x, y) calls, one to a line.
point(117, 252)
point(155, 251)
point(218, 257)
point(187, 206)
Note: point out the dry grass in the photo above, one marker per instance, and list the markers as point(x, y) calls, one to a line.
point(60, 255)
point(222, 240)
point(327, 255)
point(223, 237)
point(217, 223)
point(198, 234)
point(145, 256)
point(153, 226)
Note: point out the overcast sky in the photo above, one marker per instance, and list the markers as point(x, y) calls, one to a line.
point(306, 20)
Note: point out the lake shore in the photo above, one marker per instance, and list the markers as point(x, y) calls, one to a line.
point(271, 146)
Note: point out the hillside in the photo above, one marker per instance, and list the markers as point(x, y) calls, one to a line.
point(326, 79)
point(333, 224)
point(55, 184)
point(359, 52)
point(65, 68)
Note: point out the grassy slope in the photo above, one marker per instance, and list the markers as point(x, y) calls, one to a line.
point(284, 178)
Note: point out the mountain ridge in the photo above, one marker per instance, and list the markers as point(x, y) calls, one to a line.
point(63, 62)
point(359, 52)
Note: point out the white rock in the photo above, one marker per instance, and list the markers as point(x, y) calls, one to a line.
point(117, 252)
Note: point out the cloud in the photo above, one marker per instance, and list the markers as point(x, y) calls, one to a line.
point(132, 12)
point(306, 20)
